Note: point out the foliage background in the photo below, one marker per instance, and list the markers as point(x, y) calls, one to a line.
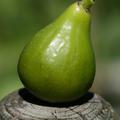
point(21, 19)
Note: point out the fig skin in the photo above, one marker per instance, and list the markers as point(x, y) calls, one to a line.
point(58, 65)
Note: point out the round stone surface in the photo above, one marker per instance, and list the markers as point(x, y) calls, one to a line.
point(21, 105)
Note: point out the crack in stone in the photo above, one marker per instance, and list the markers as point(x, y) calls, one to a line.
point(81, 115)
point(54, 114)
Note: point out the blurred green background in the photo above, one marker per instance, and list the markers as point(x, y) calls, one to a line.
point(21, 19)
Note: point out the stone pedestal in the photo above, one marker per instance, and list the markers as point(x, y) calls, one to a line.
point(21, 105)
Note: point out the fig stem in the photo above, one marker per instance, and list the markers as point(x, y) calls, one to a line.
point(78, 2)
point(86, 3)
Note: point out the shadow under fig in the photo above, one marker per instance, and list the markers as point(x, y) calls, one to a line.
point(27, 96)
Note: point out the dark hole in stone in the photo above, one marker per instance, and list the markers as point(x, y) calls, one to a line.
point(27, 96)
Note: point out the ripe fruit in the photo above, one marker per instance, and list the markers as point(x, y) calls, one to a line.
point(58, 65)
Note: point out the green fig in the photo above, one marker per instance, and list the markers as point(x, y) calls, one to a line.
point(58, 65)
